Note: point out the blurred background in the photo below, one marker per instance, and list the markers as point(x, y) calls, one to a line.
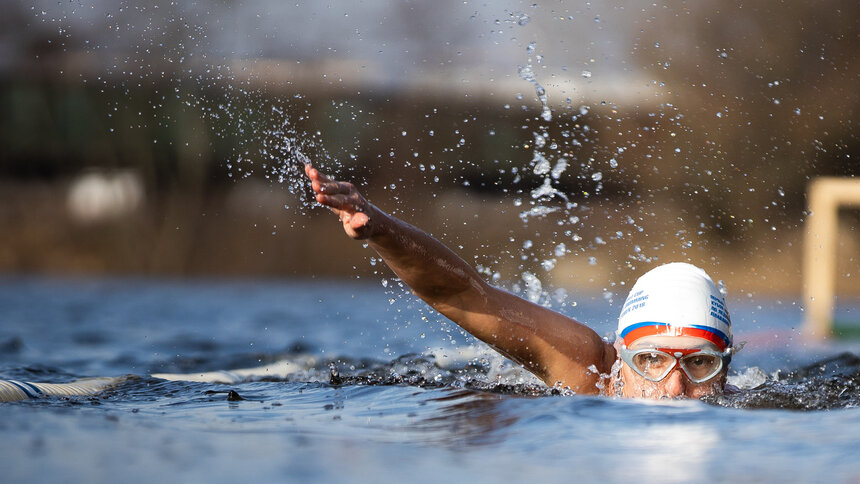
point(557, 145)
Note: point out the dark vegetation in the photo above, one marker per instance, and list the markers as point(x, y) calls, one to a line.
point(734, 184)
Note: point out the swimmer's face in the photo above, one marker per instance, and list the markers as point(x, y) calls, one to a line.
point(676, 384)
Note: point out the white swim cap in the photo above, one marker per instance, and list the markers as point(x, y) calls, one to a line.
point(673, 300)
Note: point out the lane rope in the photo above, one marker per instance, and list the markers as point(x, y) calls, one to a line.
point(15, 390)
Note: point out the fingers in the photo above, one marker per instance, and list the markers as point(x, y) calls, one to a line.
point(358, 221)
point(347, 202)
point(333, 187)
point(325, 184)
point(356, 224)
point(328, 191)
point(344, 200)
point(338, 195)
point(314, 174)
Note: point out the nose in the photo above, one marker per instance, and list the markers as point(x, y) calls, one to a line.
point(675, 384)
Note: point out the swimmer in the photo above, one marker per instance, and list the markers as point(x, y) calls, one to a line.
point(674, 336)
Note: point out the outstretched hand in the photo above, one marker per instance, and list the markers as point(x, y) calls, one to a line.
point(552, 346)
point(345, 201)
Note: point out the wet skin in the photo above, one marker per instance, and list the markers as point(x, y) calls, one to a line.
point(676, 384)
point(557, 349)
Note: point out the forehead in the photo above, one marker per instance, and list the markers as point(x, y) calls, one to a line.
point(677, 342)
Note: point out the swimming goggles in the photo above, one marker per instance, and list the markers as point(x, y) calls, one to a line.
point(655, 364)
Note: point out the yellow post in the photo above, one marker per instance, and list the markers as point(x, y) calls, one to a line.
point(825, 196)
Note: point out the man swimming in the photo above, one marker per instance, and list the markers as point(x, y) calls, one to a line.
point(674, 334)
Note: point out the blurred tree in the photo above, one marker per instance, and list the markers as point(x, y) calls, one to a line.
point(769, 90)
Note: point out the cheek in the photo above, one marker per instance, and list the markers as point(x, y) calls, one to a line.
point(713, 387)
point(635, 385)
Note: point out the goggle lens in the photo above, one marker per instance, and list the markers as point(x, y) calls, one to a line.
point(655, 364)
point(700, 367)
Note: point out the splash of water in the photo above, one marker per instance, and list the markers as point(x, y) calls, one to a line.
point(527, 74)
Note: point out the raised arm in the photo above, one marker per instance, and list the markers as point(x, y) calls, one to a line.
point(550, 345)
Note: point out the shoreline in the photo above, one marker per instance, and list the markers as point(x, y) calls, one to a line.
point(246, 232)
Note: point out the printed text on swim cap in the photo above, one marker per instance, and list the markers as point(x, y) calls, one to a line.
point(635, 301)
point(718, 310)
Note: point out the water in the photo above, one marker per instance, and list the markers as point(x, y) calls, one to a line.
point(381, 394)
point(388, 391)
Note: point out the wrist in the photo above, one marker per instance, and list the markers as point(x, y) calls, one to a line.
point(379, 224)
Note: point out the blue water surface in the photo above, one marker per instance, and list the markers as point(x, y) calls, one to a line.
point(304, 428)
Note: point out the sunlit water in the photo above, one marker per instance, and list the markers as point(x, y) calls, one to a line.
point(408, 399)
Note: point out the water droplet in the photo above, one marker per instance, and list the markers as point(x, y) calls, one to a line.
point(546, 114)
point(534, 288)
point(559, 168)
point(542, 166)
point(597, 176)
point(586, 74)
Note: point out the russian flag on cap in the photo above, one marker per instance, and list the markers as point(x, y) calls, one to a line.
point(650, 328)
